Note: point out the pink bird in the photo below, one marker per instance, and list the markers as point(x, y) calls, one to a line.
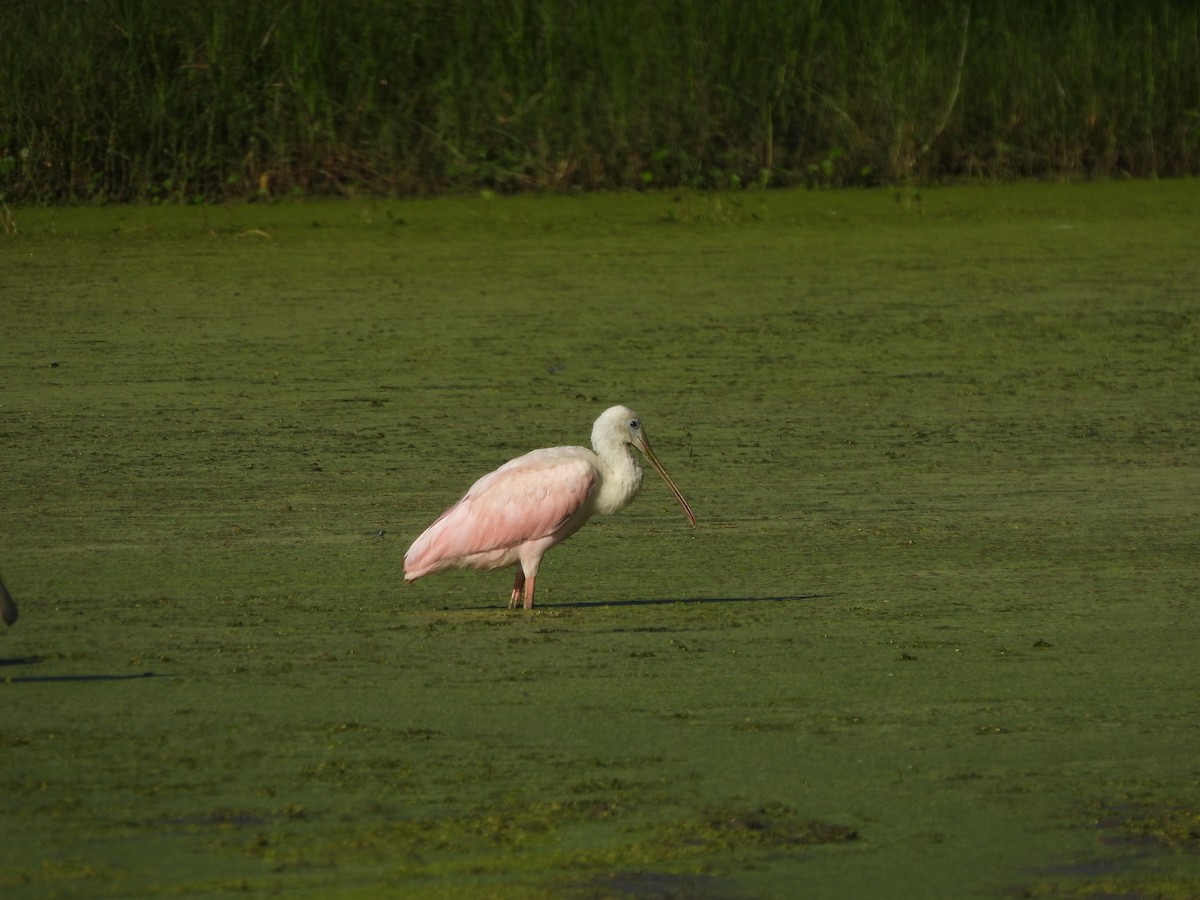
point(516, 513)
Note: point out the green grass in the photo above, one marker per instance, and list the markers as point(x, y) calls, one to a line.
point(118, 100)
point(934, 633)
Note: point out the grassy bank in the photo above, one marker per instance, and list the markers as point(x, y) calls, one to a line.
point(139, 100)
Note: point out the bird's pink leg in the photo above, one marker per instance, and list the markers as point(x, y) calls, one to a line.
point(529, 591)
point(518, 584)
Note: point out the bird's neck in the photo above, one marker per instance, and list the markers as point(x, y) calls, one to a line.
point(623, 479)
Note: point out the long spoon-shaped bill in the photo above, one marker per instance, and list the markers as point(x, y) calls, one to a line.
point(644, 446)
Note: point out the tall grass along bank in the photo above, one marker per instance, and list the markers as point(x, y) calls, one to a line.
point(140, 100)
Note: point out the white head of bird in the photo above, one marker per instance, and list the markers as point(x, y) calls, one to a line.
point(513, 515)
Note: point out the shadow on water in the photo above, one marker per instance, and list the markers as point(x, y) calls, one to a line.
point(34, 660)
point(666, 601)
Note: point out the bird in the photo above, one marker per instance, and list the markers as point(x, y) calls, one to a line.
point(513, 515)
point(8, 608)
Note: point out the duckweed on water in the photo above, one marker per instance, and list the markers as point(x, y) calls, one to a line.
point(936, 622)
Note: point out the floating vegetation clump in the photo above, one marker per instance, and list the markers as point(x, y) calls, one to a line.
point(1170, 825)
point(773, 826)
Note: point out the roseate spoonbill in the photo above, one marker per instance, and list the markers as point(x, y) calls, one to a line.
point(516, 513)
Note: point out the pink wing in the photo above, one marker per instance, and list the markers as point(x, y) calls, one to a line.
point(530, 498)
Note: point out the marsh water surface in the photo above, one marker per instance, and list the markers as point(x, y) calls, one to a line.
point(935, 633)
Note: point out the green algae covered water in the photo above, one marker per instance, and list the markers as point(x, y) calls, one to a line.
point(934, 635)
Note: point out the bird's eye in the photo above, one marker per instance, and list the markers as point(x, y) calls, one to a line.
point(634, 424)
